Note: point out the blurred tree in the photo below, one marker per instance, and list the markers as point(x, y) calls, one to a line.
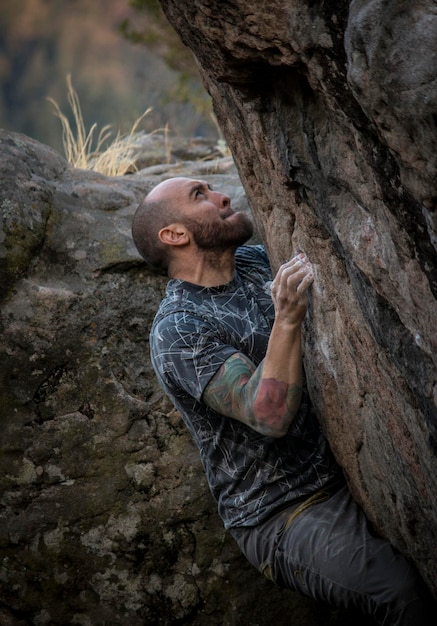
point(42, 42)
point(161, 38)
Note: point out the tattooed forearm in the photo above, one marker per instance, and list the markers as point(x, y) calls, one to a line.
point(239, 390)
point(276, 401)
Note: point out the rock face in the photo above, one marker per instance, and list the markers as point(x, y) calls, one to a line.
point(105, 515)
point(330, 112)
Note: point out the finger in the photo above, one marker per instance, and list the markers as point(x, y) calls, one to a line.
point(296, 264)
point(295, 274)
point(305, 283)
point(288, 282)
point(297, 260)
point(290, 274)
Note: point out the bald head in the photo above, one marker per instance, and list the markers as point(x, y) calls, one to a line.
point(155, 212)
point(161, 207)
point(168, 189)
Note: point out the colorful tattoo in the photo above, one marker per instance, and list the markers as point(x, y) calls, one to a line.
point(238, 390)
point(222, 392)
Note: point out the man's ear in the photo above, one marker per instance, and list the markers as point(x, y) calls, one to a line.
point(174, 235)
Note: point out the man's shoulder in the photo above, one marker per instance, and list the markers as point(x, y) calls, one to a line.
point(179, 307)
point(253, 260)
point(252, 254)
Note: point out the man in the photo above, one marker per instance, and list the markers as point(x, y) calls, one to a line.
point(226, 347)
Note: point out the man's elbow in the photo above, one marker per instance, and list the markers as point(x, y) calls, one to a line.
point(272, 410)
point(272, 425)
point(279, 433)
point(276, 432)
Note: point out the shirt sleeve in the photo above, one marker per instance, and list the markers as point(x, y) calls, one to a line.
point(186, 352)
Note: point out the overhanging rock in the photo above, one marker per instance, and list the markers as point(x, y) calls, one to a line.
point(329, 110)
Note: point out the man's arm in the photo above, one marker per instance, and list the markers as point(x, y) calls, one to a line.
point(267, 397)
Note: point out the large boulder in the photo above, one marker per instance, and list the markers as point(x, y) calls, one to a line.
point(330, 112)
point(105, 515)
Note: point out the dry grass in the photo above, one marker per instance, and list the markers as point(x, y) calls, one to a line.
point(112, 158)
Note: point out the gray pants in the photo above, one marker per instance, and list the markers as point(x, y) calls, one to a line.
point(328, 552)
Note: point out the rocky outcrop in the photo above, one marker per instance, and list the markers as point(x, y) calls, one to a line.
point(330, 112)
point(105, 515)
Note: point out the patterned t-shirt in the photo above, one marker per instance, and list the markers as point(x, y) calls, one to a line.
point(195, 330)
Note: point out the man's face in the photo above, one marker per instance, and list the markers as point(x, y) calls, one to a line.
point(208, 214)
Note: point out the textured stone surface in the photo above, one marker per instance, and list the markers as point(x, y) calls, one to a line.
point(330, 112)
point(105, 515)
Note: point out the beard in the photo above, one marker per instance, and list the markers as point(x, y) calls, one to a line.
point(222, 235)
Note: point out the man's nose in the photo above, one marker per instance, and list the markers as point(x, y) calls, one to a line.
point(224, 200)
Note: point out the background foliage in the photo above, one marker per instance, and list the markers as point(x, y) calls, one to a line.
point(123, 58)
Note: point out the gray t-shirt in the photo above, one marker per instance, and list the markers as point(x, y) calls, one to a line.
point(195, 331)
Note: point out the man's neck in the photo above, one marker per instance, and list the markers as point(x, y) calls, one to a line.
point(206, 269)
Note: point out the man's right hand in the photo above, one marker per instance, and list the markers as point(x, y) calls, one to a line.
point(289, 290)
